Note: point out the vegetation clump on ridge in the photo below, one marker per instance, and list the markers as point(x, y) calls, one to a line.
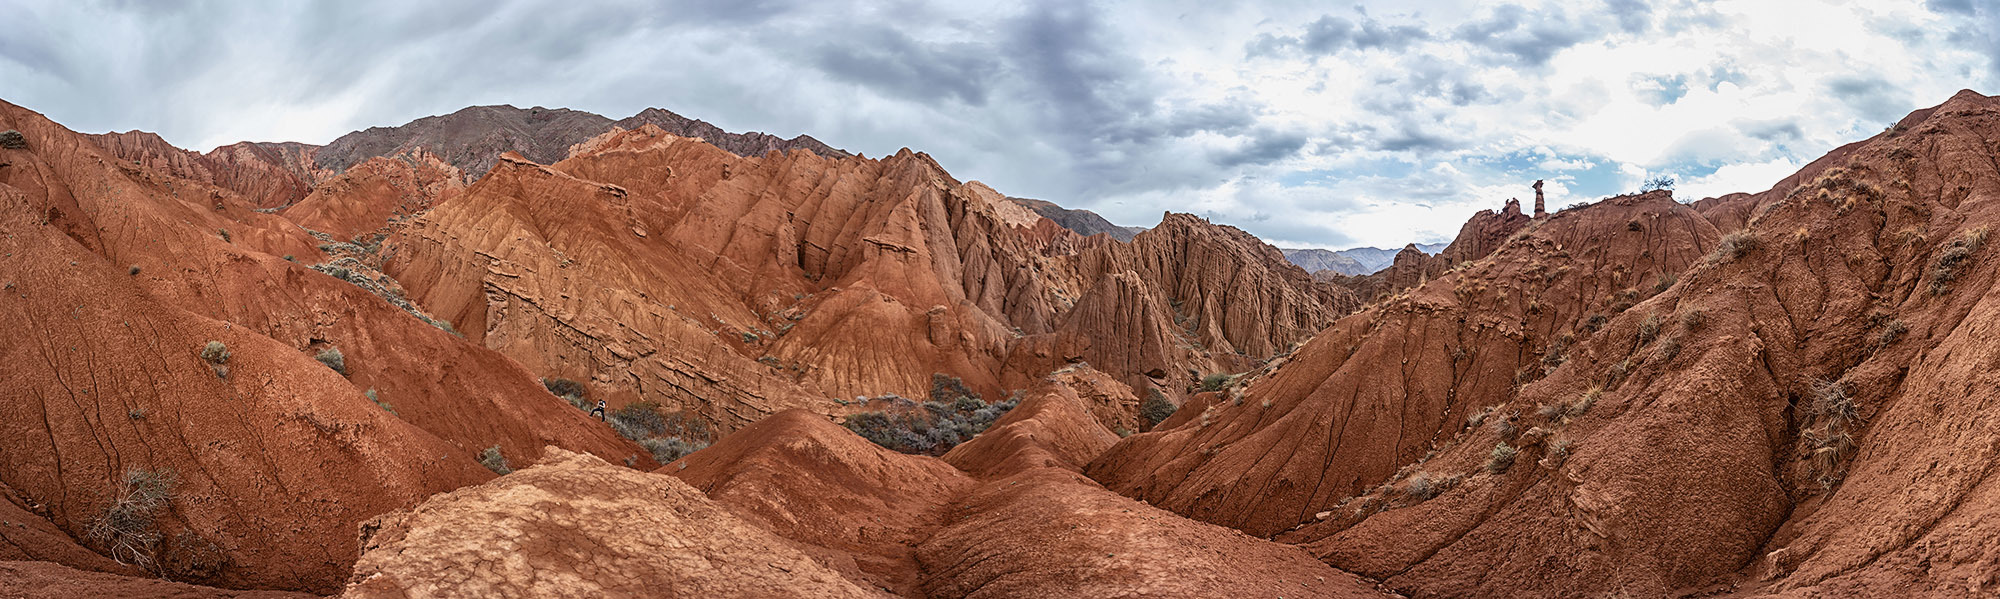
point(1156, 408)
point(668, 436)
point(953, 415)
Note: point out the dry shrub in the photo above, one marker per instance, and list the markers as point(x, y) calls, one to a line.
point(1736, 245)
point(126, 526)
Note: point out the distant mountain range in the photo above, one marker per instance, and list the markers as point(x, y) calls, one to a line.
point(1351, 262)
point(1083, 222)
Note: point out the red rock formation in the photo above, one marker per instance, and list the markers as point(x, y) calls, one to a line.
point(44, 580)
point(1064, 421)
point(1787, 418)
point(374, 193)
point(1040, 531)
point(1541, 210)
point(278, 459)
point(852, 505)
point(27, 536)
point(575, 526)
point(1381, 388)
point(1050, 532)
point(665, 269)
point(265, 175)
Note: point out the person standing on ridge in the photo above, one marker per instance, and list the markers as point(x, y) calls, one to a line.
point(598, 412)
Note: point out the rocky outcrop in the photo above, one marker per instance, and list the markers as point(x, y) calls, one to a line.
point(1029, 526)
point(1064, 421)
point(1786, 417)
point(741, 144)
point(1052, 532)
point(53, 581)
point(1232, 302)
point(264, 175)
point(662, 268)
point(274, 455)
point(1383, 387)
point(853, 506)
point(376, 193)
point(575, 526)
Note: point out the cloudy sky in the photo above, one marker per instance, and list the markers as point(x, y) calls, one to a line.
point(1311, 124)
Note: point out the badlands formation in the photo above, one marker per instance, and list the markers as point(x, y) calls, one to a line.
point(367, 369)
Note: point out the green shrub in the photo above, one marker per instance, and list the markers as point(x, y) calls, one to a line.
point(492, 460)
point(126, 525)
point(332, 358)
point(12, 140)
point(1422, 486)
point(378, 402)
point(1216, 382)
point(637, 421)
point(1501, 459)
point(215, 353)
point(949, 389)
point(930, 428)
point(1649, 329)
point(668, 449)
point(1156, 408)
point(667, 435)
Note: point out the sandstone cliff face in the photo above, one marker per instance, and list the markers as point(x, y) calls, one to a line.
point(376, 193)
point(575, 526)
point(1786, 417)
point(1027, 526)
point(274, 461)
point(265, 175)
point(665, 269)
point(1066, 420)
point(1184, 299)
point(1385, 386)
point(852, 505)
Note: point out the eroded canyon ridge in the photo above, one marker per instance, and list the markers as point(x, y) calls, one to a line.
point(369, 368)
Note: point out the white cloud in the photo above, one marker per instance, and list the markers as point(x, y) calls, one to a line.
point(1380, 122)
point(1746, 177)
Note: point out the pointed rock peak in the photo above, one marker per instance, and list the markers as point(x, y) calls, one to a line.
point(1541, 210)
